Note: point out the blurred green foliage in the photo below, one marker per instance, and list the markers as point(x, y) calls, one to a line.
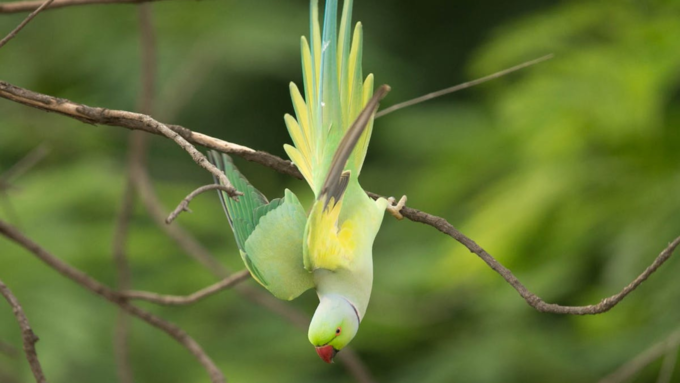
point(567, 172)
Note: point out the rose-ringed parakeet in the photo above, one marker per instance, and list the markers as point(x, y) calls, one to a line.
point(289, 249)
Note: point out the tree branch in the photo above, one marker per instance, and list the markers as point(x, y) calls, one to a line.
point(130, 120)
point(27, 20)
point(121, 119)
point(27, 333)
point(27, 6)
point(174, 300)
point(533, 300)
point(105, 292)
point(462, 86)
point(134, 121)
point(184, 205)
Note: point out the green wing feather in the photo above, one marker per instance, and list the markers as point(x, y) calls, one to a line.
point(269, 235)
point(241, 213)
point(275, 247)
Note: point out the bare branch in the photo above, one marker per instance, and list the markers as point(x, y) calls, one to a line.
point(536, 302)
point(462, 86)
point(112, 117)
point(105, 292)
point(27, 333)
point(98, 115)
point(133, 121)
point(174, 300)
point(27, 6)
point(184, 205)
point(625, 372)
point(21, 26)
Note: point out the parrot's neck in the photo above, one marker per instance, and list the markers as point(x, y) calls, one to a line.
point(353, 287)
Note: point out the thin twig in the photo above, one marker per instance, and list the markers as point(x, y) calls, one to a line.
point(27, 335)
point(27, 6)
point(110, 295)
point(27, 20)
point(175, 300)
point(118, 118)
point(184, 205)
point(462, 86)
point(626, 371)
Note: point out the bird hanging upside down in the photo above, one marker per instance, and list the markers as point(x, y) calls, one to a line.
point(330, 249)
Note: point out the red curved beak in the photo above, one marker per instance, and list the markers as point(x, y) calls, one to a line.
point(327, 353)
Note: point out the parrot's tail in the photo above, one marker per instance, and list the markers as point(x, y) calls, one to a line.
point(335, 92)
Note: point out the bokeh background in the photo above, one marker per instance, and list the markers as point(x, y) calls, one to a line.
point(568, 172)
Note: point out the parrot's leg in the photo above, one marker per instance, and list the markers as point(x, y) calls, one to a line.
point(395, 210)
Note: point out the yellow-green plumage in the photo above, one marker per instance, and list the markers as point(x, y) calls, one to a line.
point(331, 248)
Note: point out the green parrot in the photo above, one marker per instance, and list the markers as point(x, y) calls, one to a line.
point(329, 248)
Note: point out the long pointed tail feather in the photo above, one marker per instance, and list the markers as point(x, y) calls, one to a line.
point(334, 95)
point(347, 145)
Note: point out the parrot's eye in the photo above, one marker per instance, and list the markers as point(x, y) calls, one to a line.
point(337, 331)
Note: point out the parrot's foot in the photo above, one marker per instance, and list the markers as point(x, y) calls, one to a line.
point(395, 210)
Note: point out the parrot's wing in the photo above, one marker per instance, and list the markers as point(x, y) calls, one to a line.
point(275, 250)
point(241, 213)
point(334, 94)
point(328, 245)
point(269, 235)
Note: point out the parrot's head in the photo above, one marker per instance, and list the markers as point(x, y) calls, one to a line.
point(334, 325)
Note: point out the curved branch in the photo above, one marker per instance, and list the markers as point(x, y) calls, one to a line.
point(135, 121)
point(27, 6)
point(174, 300)
point(105, 292)
point(117, 118)
point(184, 205)
point(27, 333)
point(121, 118)
point(532, 299)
